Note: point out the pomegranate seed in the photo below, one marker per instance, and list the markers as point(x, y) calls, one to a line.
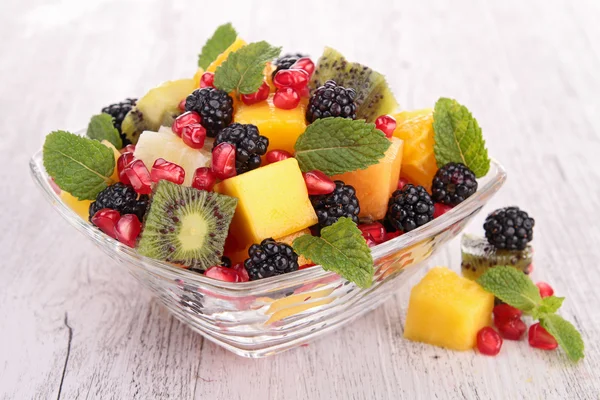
point(386, 124)
point(504, 313)
point(277, 155)
point(545, 289)
point(375, 229)
point(223, 160)
point(369, 240)
point(123, 162)
point(305, 64)
point(128, 229)
point(130, 148)
point(241, 271)
point(391, 235)
point(402, 182)
point(185, 119)
point(540, 338)
point(260, 95)
point(181, 105)
point(139, 177)
point(286, 99)
point(207, 80)
point(204, 179)
point(489, 341)
point(106, 219)
point(294, 78)
point(440, 209)
point(304, 92)
point(54, 186)
point(223, 274)
point(318, 183)
point(193, 135)
point(163, 169)
point(512, 329)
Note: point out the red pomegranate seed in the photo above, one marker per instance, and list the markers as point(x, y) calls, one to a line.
point(440, 209)
point(286, 99)
point(260, 95)
point(106, 219)
point(207, 80)
point(305, 64)
point(123, 162)
point(128, 229)
point(489, 341)
point(540, 338)
point(241, 271)
point(318, 183)
point(273, 156)
point(139, 177)
point(402, 182)
point(504, 312)
point(294, 78)
point(54, 186)
point(130, 148)
point(369, 240)
point(185, 119)
point(391, 235)
point(512, 329)
point(375, 229)
point(304, 92)
point(163, 169)
point(204, 179)
point(181, 105)
point(194, 135)
point(223, 274)
point(545, 289)
point(386, 124)
point(223, 160)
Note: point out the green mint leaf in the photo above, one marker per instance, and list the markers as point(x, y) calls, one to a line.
point(338, 145)
point(101, 128)
point(565, 334)
point(223, 37)
point(242, 71)
point(458, 137)
point(512, 287)
point(79, 165)
point(341, 249)
point(549, 305)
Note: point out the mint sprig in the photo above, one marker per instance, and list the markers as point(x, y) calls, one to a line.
point(516, 289)
point(79, 166)
point(458, 137)
point(341, 249)
point(223, 37)
point(242, 71)
point(338, 145)
point(101, 128)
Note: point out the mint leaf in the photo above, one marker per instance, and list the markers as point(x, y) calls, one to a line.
point(242, 71)
point(338, 145)
point(79, 165)
point(512, 287)
point(458, 137)
point(101, 128)
point(223, 37)
point(549, 305)
point(565, 334)
point(341, 249)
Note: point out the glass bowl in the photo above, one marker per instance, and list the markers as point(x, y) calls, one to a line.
point(260, 318)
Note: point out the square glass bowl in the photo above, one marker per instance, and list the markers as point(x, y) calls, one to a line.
point(260, 318)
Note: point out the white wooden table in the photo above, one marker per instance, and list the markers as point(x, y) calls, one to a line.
point(74, 325)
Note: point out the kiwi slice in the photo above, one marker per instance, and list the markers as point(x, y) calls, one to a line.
point(478, 255)
point(160, 106)
point(373, 96)
point(186, 226)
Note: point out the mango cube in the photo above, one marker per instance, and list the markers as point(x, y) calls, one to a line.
point(235, 46)
point(375, 185)
point(272, 202)
point(447, 310)
point(81, 207)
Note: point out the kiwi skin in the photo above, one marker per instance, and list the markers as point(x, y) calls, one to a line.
point(179, 214)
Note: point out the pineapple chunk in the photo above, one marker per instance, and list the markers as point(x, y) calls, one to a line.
point(282, 127)
point(375, 185)
point(235, 46)
point(447, 310)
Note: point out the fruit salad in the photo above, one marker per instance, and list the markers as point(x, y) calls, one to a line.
point(259, 164)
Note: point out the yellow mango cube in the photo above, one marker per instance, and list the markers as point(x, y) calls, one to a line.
point(272, 202)
point(81, 207)
point(447, 310)
point(375, 185)
point(289, 239)
point(235, 46)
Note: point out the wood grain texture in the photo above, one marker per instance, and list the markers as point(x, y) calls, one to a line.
point(75, 326)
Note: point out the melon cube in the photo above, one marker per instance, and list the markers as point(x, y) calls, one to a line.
point(375, 185)
point(447, 310)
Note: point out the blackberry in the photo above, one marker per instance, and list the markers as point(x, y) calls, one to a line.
point(286, 62)
point(453, 184)
point(409, 208)
point(214, 106)
point(122, 198)
point(342, 202)
point(331, 100)
point(509, 228)
point(249, 145)
point(270, 258)
point(118, 111)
